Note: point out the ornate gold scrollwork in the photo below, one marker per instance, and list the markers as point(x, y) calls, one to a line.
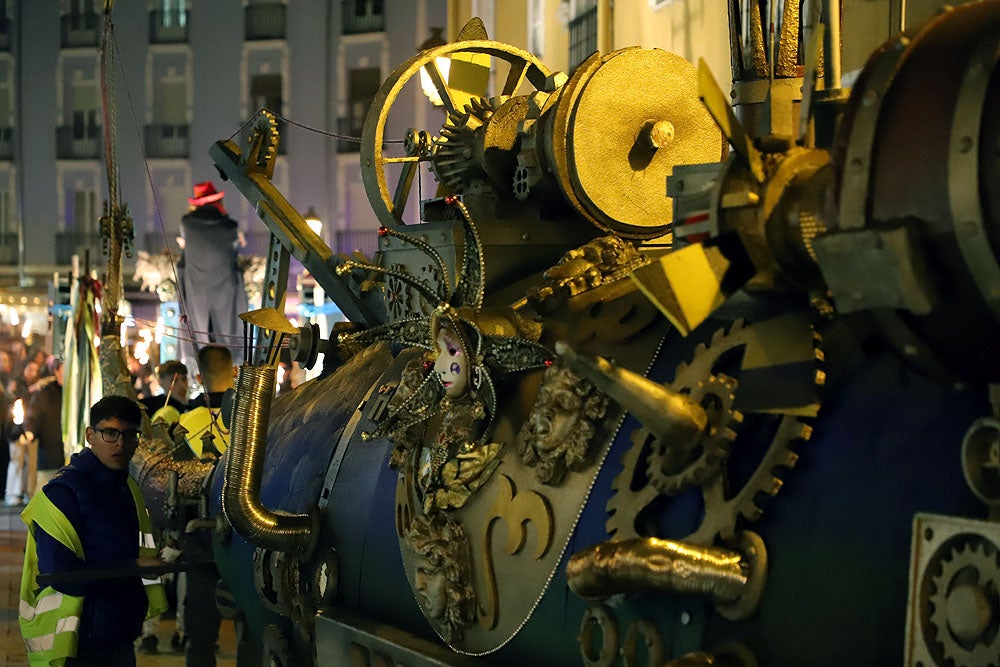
point(516, 509)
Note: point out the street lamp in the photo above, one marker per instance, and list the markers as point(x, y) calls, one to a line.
point(312, 219)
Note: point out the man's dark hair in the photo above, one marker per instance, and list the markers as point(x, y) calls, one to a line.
point(168, 369)
point(215, 361)
point(116, 407)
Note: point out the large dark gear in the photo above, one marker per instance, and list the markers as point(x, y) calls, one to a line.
point(635, 491)
point(964, 604)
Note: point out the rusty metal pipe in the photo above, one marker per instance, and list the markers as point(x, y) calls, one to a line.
point(264, 528)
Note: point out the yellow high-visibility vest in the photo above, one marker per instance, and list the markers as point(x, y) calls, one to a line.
point(202, 420)
point(50, 620)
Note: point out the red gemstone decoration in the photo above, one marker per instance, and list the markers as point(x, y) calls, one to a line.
point(428, 365)
point(548, 362)
point(383, 231)
point(451, 199)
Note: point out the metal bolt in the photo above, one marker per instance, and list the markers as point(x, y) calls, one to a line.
point(661, 133)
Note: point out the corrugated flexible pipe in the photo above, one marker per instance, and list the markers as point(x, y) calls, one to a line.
point(268, 529)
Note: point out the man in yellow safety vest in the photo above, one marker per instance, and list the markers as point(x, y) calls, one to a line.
point(90, 517)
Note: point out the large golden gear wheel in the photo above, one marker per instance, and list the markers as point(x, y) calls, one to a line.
point(637, 498)
point(389, 206)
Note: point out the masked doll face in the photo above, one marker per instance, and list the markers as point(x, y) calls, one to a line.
point(452, 363)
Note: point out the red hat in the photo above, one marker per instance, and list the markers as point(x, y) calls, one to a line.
point(204, 193)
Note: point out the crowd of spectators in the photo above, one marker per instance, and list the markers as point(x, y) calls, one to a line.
point(29, 374)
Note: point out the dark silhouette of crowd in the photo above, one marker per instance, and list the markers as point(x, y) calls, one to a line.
point(31, 435)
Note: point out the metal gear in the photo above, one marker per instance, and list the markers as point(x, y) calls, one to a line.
point(634, 491)
point(266, 125)
point(454, 151)
point(964, 603)
point(674, 467)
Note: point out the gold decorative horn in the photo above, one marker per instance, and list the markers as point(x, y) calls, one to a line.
point(667, 414)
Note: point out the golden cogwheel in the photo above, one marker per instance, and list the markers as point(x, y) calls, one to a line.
point(636, 494)
point(675, 467)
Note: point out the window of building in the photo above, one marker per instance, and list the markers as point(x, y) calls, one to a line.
point(5, 26)
point(265, 92)
point(173, 13)
point(363, 83)
point(582, 32)
point(84, 212)
point(82, 14)
point(84, 112)
point(8, 228)
point(168, 22)
point(360, 16)
point(536, 27)
point(265, 19)
point(170, 102)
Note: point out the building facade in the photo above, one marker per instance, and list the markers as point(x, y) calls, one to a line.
point(187, 73)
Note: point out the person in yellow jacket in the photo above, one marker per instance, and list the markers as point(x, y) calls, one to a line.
point(90, 517)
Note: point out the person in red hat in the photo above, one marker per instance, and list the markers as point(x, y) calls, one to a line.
point(211, 282)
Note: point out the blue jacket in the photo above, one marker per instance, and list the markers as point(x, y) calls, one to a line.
point(99, 504)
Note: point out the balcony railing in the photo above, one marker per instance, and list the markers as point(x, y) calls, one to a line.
point(363, 240)
point(6, 143)
point(360, 16)
point(69, 147)
point(169, 27)
point(264, 22)
point(5, 29)
point(80, 30)
point(582, 37)
point(167, 141)
point(76, 243)
point(346, 128)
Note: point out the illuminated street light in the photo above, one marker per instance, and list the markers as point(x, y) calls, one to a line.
point(312, 219)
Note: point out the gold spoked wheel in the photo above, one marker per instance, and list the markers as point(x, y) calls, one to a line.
point(388, 206)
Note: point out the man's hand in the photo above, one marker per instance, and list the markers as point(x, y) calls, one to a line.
point(149, 562)
point(169, 554)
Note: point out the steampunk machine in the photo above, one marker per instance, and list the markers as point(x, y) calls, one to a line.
point(653, 380)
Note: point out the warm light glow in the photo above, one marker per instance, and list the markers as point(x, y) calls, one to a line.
point(15, 319)
point(160, 326)
point(17, 413)
point(141, 350)
point(281, 378)
point(444, 66)
point(26, 329)
point(312, 219)
point(123, 336)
